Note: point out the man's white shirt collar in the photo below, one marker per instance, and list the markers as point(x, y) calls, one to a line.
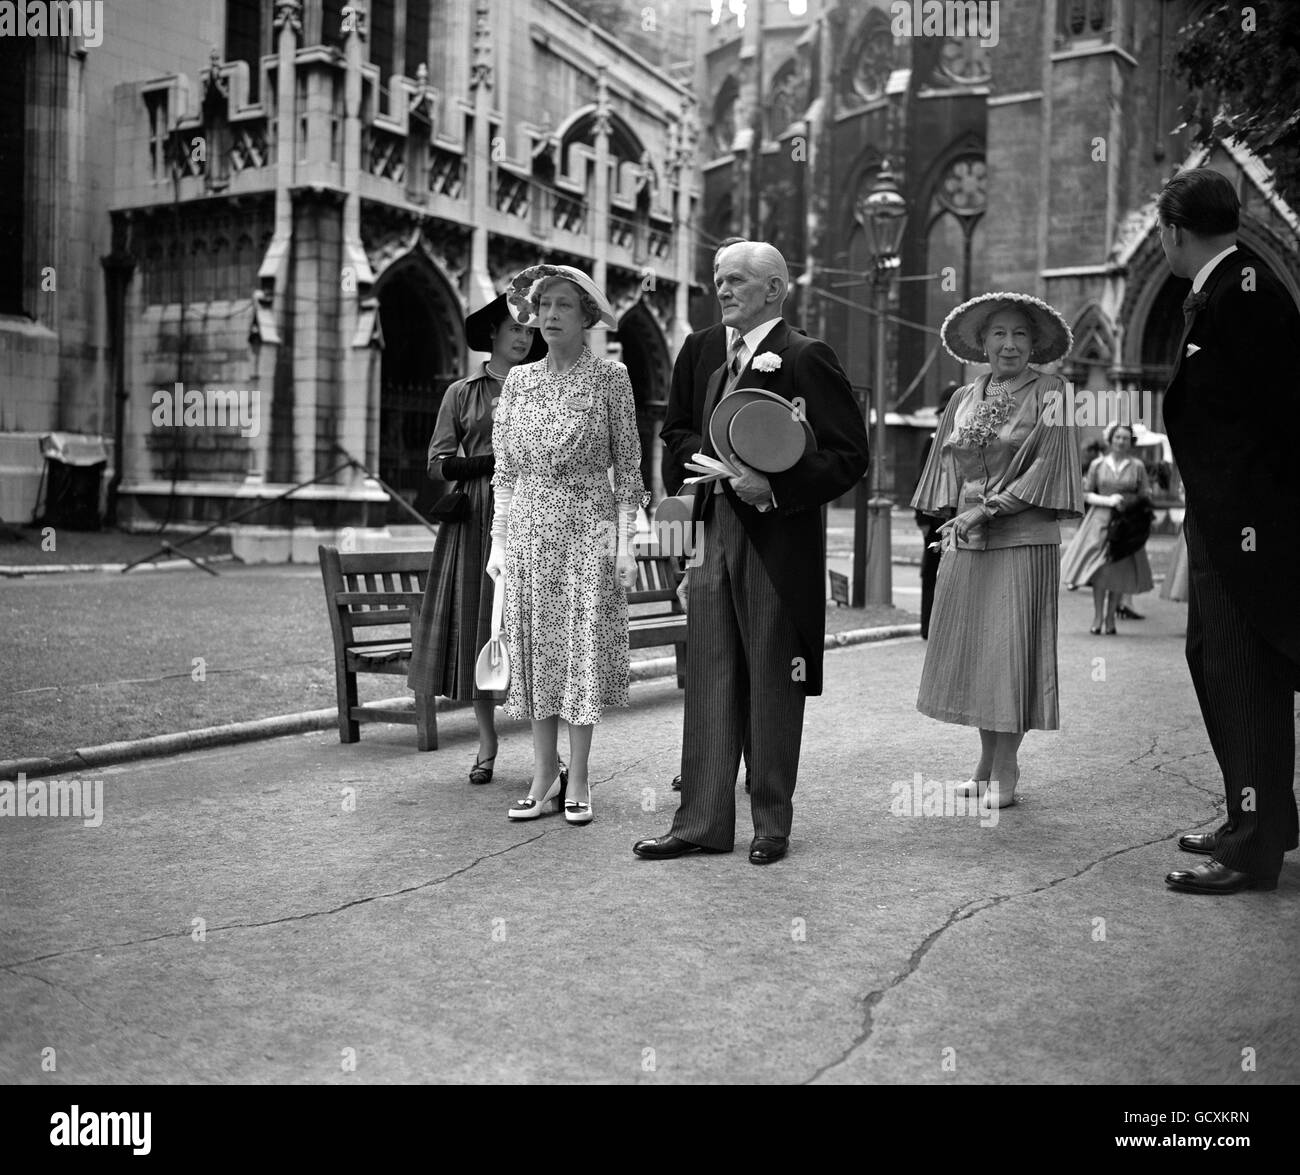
point(1208, 268)
point(753, 337)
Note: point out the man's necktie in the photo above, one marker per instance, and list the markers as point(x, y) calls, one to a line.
point(1191, 304)
point(735, 365)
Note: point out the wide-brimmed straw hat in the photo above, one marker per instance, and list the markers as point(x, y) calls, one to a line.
point(961, 329)
point(523, 300)
point(764, 430)
point(481, 326)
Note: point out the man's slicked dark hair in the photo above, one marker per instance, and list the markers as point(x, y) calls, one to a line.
point(1202, 201)
point(727, 242)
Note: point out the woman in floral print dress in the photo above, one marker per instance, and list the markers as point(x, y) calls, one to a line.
point(1003, 470)
point(561, 535)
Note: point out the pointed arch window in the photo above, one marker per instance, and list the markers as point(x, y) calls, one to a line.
point(722, 129)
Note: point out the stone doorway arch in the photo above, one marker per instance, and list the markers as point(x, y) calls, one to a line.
point(422, 325)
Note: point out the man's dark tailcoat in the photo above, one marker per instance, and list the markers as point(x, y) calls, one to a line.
point(1232, 414)
point(757, 599)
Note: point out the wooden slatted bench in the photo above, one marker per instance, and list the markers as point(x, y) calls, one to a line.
point(650, 623)
point(363, 592)
point(386, 589)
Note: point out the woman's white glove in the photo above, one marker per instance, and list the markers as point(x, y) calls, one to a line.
point(496, 564)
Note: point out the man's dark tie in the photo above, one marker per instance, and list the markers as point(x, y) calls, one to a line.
point(734, 365)
point(1191, 304)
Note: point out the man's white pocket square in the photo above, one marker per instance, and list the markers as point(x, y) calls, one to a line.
point(1192, 348)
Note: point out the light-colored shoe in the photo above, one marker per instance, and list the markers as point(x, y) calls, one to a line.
point(530, 809)
point(995, 796)
point(578, 812)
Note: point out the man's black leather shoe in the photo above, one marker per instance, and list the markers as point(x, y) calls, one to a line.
point(661, 848)
point(1127, 613)
point(763, 850)
point(1216, 878)
point(1199, 842)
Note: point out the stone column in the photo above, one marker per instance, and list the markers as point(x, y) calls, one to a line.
point(358, 427)
point(600, 200)
point(482, 198)
point(269, 301)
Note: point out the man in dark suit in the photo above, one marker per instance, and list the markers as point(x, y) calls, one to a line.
point(1243, 499)
point(757, 599)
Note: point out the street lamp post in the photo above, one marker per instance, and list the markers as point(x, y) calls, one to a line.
point(882, 213)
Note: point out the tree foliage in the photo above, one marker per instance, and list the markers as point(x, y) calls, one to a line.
point(1243, 64)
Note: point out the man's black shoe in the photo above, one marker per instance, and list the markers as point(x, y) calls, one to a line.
point(1216, 878)
point(763, 850)
point(661, 848)
point(1199, 842)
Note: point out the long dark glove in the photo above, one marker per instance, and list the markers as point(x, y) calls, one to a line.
point(465, 468)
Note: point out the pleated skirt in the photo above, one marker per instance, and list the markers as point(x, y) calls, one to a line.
point(456, 616)
point(991, 656)
point(1175, 585)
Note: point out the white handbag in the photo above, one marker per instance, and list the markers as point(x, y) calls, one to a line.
point(492, 669)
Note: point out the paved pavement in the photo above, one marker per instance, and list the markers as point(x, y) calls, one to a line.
point(301, 911)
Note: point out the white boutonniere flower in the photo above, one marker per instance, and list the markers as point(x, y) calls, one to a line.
point(767, 361)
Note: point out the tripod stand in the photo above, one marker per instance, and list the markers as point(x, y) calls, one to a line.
point(350, 463)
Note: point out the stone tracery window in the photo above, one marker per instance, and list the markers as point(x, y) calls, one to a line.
point(963, 190)
point(965, 61)
point(789, 97)
point(869, 61)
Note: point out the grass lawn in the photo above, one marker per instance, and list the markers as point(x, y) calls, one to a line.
point(93, 658)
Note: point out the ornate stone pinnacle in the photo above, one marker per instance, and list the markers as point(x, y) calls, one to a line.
point(480, 73)
point(288, 12)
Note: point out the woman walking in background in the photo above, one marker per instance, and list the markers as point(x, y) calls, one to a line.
point(1116, 482)
point(456, 618)
point(1003, 470)
point(561, 536)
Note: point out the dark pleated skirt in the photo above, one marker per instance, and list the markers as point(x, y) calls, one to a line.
point(456, 617)
point(991, 656)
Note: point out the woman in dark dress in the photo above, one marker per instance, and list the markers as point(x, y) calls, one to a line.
point(456, 619)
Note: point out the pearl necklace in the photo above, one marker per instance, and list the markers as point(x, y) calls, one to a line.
point(488, 368)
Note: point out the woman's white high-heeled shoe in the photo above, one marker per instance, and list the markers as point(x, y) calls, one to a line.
point(530, 809)
point(578, 812)
point(996, 797)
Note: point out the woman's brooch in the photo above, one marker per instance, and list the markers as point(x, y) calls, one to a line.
point(577, 402)
point(985, 421)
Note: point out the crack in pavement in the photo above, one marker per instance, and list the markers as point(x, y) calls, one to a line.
point(275, 921)
point(12, 966)
point(966, 910)
point(99, 1012)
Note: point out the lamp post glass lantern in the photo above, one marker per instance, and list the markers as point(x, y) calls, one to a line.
point(883, 216)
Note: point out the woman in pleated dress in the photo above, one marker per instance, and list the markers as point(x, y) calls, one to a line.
point(562, 532)
point(456, 617)
point(1002, 471)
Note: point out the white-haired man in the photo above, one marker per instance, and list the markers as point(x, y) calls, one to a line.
point(757, 612)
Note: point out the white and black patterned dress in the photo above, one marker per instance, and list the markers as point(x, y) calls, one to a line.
point(556, 437)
